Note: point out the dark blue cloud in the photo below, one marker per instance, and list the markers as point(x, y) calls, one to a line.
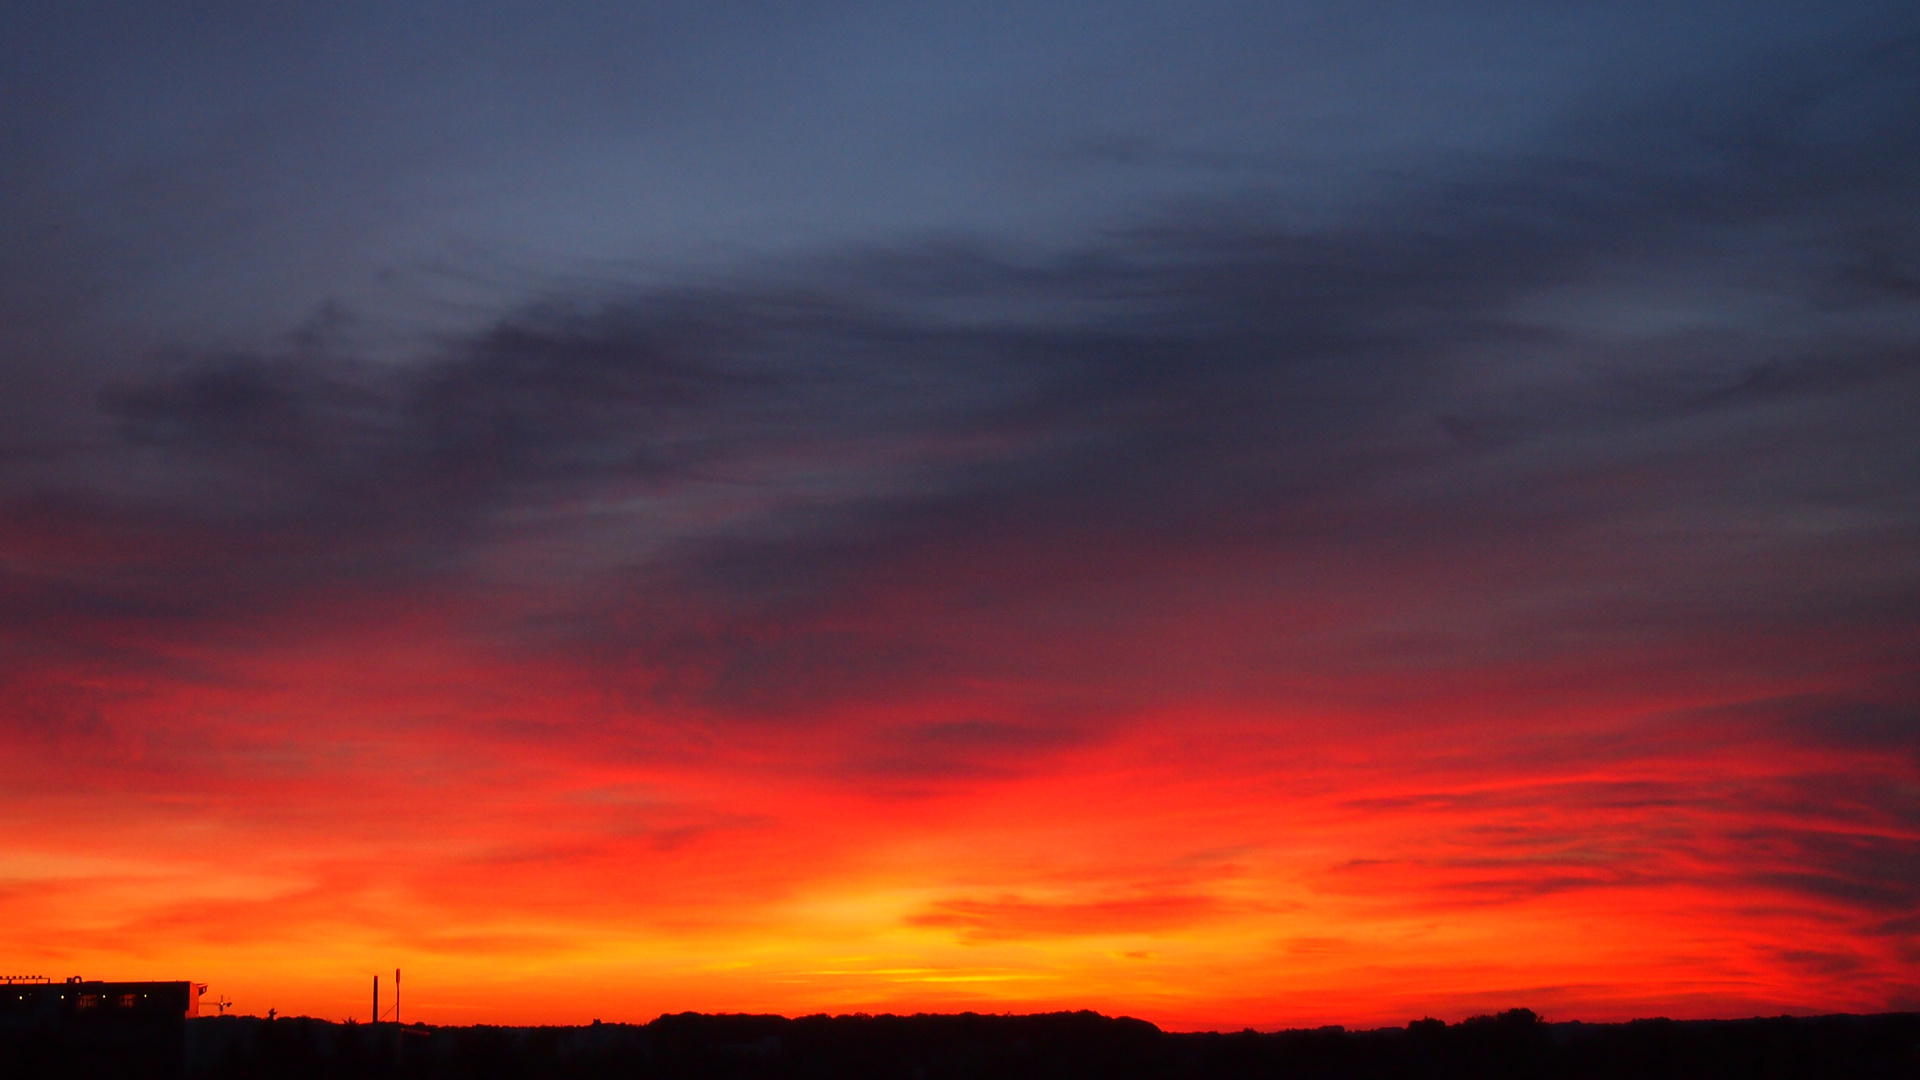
point(1641, 378)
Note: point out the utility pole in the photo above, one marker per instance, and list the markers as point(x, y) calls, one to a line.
point(376, 999)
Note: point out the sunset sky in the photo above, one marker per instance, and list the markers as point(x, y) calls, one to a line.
point(1234, 513)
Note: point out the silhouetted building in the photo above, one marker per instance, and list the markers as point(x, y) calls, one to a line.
point(82, 1030)
point(79, 1001)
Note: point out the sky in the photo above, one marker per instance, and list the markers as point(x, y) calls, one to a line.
point(1237, 514)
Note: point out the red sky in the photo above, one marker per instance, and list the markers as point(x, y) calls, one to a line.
point(1205, 806)
point(862, 515)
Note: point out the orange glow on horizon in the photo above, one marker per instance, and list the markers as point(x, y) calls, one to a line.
point(282, 831)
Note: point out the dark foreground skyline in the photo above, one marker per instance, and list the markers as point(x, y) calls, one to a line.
point(1233, 512)
point(1512, 1045)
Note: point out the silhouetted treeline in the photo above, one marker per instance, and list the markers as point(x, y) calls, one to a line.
point(1514, 1044)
